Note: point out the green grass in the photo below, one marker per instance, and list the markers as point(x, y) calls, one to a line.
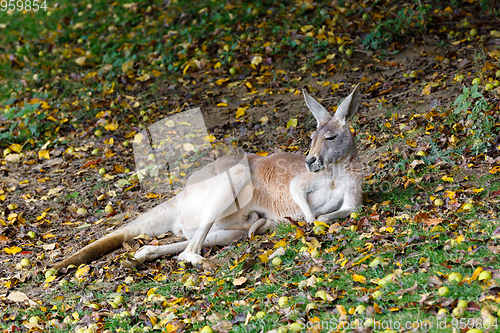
point(406, 263)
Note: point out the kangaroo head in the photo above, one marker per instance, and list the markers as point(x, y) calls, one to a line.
point(333, 139)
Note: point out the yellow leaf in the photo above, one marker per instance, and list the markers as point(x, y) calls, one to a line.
point(2, 197)
point(221, 81)
point(291, 123)
point(306, 28)
point(359, 278)
point(122, 286)
point(151, 291)
point(341, 310)
point(363, 260)
point(427, 89)
point(138, 138)
point(249, 85)
point(299, 233)
point(217, 65)
point(262, 153)
point(111, 126)
point(16, 147)
point(321, 224)
point(111, 90)
point(80, 61)
point(321, 61)
point(495, 33)
point(51, 278)
point(144, 77)
point(447, 179)
point(494, 53)
point(109, 153)
point(186, 68)
point(281, 243)
point(156, 73)
point(476, 273)
point(411, 143)
point(263, 257)
point(240, 112)
point(44, 154)
point(210, 138)
point(256, 60)
point(127, 65)
point(12, 250)
point(81, 272)
point(222, 104)
point(335, 86)
point(495, 169)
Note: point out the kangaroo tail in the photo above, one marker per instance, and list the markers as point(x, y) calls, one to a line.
point(98, 248)
point(158, 220)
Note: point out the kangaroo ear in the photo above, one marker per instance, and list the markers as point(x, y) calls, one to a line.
point(348, 107)
point(319, 112)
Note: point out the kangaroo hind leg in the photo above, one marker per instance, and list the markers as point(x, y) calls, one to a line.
point(219, 196)
point(149, 252)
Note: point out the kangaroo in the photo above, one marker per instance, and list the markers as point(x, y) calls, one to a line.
point(238, 196)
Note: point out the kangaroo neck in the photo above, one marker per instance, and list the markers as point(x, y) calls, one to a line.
point(343, 164)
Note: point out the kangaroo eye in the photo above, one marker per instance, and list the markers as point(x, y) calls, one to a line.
point(332, 137)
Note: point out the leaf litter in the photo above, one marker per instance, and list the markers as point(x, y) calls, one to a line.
point(428, 135)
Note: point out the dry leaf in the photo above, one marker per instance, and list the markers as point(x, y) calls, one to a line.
point(239, 281)
point(80, 61)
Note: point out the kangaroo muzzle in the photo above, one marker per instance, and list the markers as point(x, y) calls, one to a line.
point(314, 163)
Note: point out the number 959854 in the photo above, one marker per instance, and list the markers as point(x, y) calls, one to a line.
point(20, 5)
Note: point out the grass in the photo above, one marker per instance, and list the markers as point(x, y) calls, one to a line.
point(411, 263)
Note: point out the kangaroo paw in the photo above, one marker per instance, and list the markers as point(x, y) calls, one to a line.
point(191, 257)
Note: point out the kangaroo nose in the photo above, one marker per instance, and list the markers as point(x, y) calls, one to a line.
point(310, 160)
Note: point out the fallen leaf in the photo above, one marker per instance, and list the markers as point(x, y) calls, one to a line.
point(127, 65)
point(359, 278)
point(82, 272)
point(291, 123)
point(427, 89)
point(12, 250)
point(44, 154)
point(240, 112)
point(410, 290)
point(17, 296)
point(80, 61)
point(14, 158)
point(239, 281)
point(494, 249)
